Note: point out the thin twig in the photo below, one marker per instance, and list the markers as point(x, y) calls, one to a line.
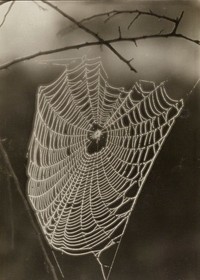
point(95, 35)
point(96, 43)
point(133, 20)
point(7, 13)
point(119, 30)
point(73, 26)
point(58, 265)
point(150, 13)
point(176, 24)
point(110, 15)
point(113, 13)
point(100, 41)
point(41, 53)
point(27, 207)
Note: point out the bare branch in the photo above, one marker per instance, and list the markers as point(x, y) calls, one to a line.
point(6, 14)
point(41, 53)
point(177, 23)
point(135, 18)
point(87, 44)
point(110, 15)
point(95, 35)
point(73, 26)
point(100, 41)
point(179, 35)
point(27, 207)
point(96, 43)
point(114, 13)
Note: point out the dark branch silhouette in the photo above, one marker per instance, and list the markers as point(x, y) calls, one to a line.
point(11, 173)
point(95, 35)
point(7, 13)
point(96, 43)
point(108, 42)
point(111, 14)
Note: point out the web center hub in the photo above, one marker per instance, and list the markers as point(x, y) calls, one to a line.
point(97, 137)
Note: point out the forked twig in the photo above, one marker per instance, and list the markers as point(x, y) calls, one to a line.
point(108, 42)
point(89, 31)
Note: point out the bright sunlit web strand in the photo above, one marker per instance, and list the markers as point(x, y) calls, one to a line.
point(91, 149)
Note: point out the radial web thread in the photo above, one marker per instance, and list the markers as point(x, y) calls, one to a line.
point(91, 150)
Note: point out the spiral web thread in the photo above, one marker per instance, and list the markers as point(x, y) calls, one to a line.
point(91, 150)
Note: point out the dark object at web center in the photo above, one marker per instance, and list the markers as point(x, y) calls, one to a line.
point(97, 137)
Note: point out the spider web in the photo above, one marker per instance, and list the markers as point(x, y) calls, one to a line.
point(91, 150)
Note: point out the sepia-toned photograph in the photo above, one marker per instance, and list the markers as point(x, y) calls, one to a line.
point(100, 140)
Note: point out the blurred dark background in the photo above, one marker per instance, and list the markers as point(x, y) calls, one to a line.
point(162, 240)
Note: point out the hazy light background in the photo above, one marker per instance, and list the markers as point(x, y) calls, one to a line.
point(162, 238)
point(29, 29)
